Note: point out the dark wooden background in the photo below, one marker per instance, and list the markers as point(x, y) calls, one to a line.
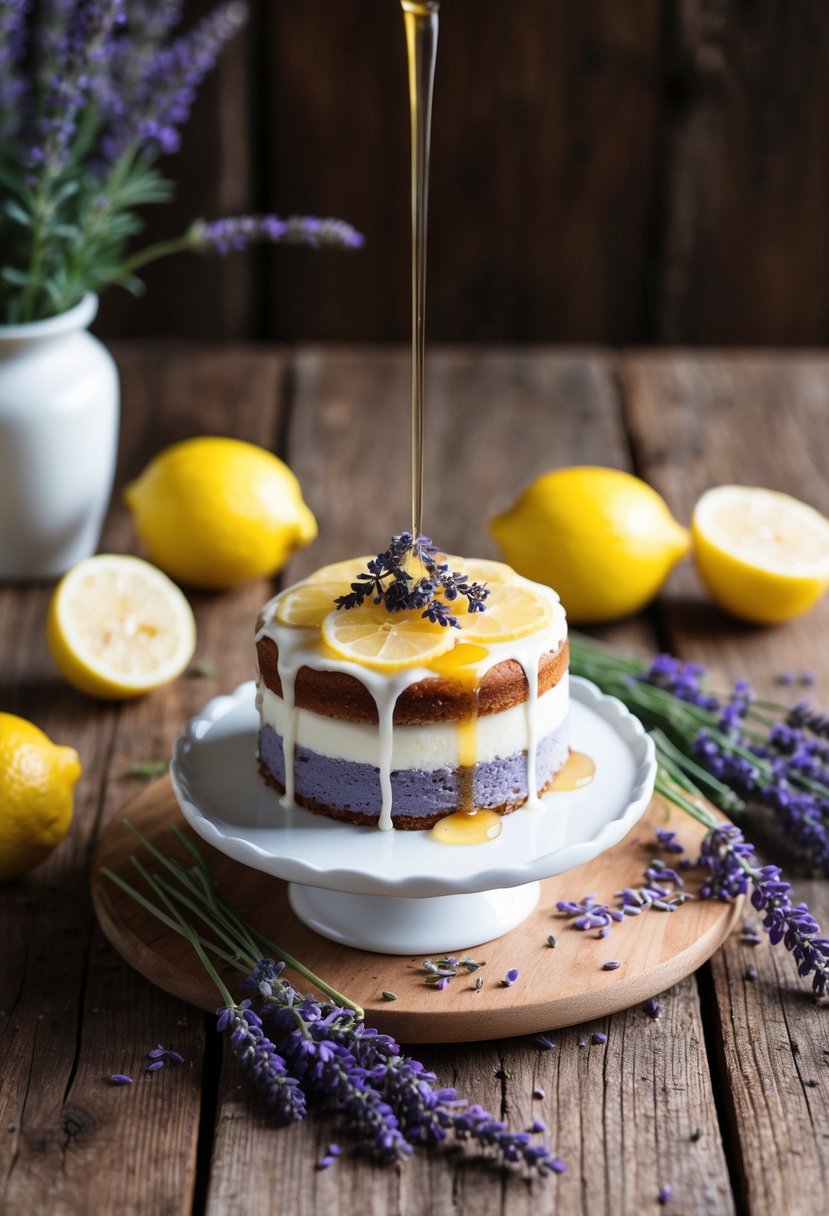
point(617, 171)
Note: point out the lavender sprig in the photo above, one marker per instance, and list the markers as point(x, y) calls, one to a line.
point(318, 1055)
point(409, 577)
point(92, 94)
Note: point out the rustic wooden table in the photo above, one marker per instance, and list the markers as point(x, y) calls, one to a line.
point(712, 1098)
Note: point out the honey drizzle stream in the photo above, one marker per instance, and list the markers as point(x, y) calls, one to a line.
point(421, 21)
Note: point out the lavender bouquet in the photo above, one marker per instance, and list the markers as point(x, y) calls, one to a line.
point(93, 94)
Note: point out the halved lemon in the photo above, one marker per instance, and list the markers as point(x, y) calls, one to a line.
point(306, 605)
point(117, 627)
point(387, 641)
point(764, 556)
point(512, 611)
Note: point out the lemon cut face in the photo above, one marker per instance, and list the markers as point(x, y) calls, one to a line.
point(117, 627)
point(387, 641)
point(763, 555)
point(512, 611)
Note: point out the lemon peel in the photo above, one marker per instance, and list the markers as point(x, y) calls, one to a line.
point(762, 555)
point(117, 627)
point(37, 780)
point(217, 512)
point(603, 538)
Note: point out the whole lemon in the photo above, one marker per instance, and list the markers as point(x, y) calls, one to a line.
point(602, 538)
point(37, 778)
point(215, 512)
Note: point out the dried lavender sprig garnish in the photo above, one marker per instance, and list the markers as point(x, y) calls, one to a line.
point(730, 748)
point(317, 1054)
point(409, 577)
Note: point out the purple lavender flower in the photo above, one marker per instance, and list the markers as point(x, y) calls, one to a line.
point(120, 1078)
point(598, 1037)
point(611, 964)
point(387, 581)
point(668, 841)
point(652, 1008)
point(726, 855)
point(160, 1054)
point(166, 95)
point(77, 69)
point(387, 1101)
point(240, 232)
point(666, 1194)
point(258, 1057)
point(510, 978)
point(12, 48)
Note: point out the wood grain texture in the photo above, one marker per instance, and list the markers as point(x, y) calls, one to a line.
point(496, 419)
point(558, 987)
point(72, 1013)
point(764, 420)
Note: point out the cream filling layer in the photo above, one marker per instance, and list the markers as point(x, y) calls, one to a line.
point(436, 745)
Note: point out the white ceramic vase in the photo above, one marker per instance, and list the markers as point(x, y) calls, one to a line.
point(59, 408)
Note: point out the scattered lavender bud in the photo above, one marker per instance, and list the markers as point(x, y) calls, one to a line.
point(510, 978)
point(443, 982)
point(668, 841)
point(812, 1083)
point(544, 1043)
point(750, 974)
point(598, 1036)
point(808, 677)
point(333, 1150)
point(785, 677)
point(557, 1165)
point(539, 1093)
point(538, 1125)
point(154, 1067)
point(479, 983)
point(389, 996)
point(603, 932)
point(582, 1042)
point(325, 1162)
point(611, 964)
point(120, 1078)
point(666, 1194)
point(695, 1135)
point(551, 941)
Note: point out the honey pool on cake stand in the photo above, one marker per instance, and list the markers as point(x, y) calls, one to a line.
point(405, 892)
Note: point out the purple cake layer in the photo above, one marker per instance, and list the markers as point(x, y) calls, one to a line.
point(354, 788)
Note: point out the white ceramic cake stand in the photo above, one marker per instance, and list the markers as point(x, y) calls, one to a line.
point(405, 892)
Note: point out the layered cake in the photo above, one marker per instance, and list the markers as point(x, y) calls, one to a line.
point(455, 703)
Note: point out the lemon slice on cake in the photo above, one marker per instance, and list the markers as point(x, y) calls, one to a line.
point(512, 611)
point(344, 573)
point(307, 605)
point(117, 627)
point(388, 641)
point(764, 556)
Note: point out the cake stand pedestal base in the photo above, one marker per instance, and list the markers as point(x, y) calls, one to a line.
point(441, 924)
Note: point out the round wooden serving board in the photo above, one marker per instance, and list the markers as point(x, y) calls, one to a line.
point(558, 986)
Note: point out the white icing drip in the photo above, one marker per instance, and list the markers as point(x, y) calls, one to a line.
point(301, 648)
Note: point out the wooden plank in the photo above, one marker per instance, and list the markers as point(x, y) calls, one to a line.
point(496, 419)
point(73, 1013)
point(744, 252)
point(763, 419)
point(542, 167)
